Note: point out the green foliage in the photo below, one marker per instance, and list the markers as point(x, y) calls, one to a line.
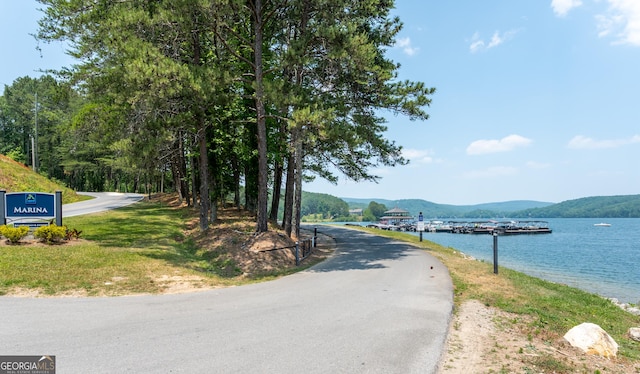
point(374, 211)
point(17, 155)
point(72, 234)
point(15, 177)
point(50, 234)
point(222, 72)
point(326, 205)
point(626, 206)
point(14, 234)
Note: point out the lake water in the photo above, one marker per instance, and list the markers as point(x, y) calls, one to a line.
point(600, 260)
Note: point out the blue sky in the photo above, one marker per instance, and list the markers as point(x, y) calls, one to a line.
point(535, 100)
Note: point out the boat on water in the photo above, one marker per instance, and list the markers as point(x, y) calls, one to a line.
point(438, 226)
point(602, 224)
point(522, 227)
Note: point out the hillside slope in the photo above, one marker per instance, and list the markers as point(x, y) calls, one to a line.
point(621, 206)
point(434, 210)
point(16, 177)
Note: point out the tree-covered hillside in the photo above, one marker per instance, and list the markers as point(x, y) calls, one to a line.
point(434, 210)
point(626, 206)
point(326, 206)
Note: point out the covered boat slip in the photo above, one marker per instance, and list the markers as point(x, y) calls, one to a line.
point(500, 227)
point(401, 220)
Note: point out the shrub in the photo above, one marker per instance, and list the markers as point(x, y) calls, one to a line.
point(72, 234)
point(14, 234)
point(50, 234)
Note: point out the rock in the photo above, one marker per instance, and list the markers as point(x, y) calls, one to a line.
point(633, 310)
point(634, 333)
point(593, 340)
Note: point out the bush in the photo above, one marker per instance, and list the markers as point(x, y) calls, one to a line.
point(72, 234)
point(50, 234)
point(14, 234)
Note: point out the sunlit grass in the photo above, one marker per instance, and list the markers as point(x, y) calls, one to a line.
point(120, 252)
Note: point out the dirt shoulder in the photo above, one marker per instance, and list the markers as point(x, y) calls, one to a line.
point(488, 340)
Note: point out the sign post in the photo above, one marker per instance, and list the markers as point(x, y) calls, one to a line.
point(420, 224)
point(58, 211)
point(495, 252)
point(3, 219)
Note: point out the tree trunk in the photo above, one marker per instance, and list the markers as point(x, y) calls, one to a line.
point(298, 183)
point(277, 188)
point(288, 196)
point(204, 177)
point(184, 183)
point(261, 224)
point(194, 181)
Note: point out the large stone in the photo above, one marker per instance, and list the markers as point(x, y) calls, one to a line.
point(634, 333)
point(593, 340)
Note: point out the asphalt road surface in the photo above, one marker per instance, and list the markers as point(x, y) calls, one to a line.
point(101, 201)
point(376, 306)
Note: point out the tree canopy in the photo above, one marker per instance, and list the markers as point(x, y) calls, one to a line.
point(207, 96)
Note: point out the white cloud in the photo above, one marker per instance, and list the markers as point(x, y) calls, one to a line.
point(583, 142)
point(492, 172)
point(562, 7)
point(419, 156)
point(622, 22)
point(407, 48)
point(508, 143)
point(478, 44)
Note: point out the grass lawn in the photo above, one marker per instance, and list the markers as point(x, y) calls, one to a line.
point(128, 250)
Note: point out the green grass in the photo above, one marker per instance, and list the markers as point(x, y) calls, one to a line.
point(15, 177)
point(124, 251)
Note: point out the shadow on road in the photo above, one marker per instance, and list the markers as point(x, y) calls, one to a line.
point(360, 251)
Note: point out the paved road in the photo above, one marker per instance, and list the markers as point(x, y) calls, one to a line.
point(101, 201)
point(377, 306)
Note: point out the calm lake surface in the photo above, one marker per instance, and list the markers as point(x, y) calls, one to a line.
point(600, 260)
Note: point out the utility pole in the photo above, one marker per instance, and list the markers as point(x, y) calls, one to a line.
point(34, 139)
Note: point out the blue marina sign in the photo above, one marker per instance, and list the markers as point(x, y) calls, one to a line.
point(26, 207)
point(30, 205)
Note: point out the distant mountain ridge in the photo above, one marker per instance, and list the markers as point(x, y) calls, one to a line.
point(434, 210)
point(622, 206)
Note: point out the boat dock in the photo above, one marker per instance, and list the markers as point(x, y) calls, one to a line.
point(489, 227)
point(501, 227)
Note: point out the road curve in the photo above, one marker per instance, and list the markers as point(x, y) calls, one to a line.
point(101, 201)
point(376, 306)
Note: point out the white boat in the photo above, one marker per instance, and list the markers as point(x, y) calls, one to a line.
point(602, 224)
